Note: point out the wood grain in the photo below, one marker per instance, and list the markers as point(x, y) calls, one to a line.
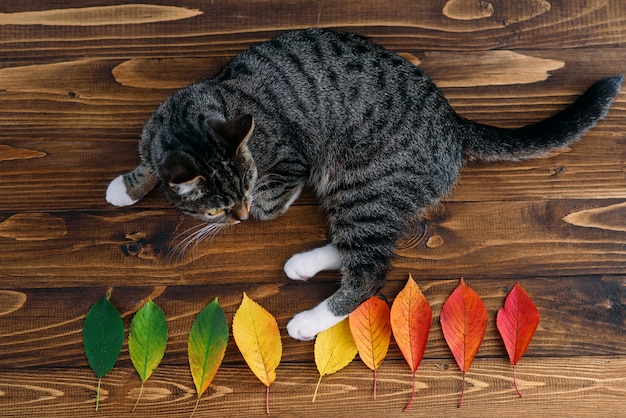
point(550, 385)
point(504, 239)
point(78, 79)
point(578, 316)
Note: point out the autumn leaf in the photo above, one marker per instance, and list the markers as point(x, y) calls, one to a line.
point(103, 335)
point(256, 334)
point(463, 322)
point(147, 340)
point(206, 347)
point(411, 319)
point(517, 323)
point(334, 350)
point(371, 331)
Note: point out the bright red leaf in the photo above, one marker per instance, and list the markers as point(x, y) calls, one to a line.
point(517, 323)
point(463, 322)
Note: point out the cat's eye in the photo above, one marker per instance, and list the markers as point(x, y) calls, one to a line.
point(215, 212)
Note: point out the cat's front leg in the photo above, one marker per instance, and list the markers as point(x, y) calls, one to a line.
point(128, 189)
point(305, 265)
point(272, 197)
point(306, 325)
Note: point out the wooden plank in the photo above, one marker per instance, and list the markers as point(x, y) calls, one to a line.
point(64, 175)
point(118, 95)
point(486, 239)
point(42, 327)
point(434, 24)
point(591, 386)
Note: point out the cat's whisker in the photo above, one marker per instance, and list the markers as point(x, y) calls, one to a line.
point(187, 231)
point(265, 183)
point(198, 234)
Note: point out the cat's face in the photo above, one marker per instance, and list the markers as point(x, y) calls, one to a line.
point(219, 192)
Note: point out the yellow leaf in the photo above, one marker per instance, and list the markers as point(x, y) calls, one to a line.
point(256, 334)
point(334, 350)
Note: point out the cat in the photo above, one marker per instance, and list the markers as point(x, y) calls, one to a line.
point(367, 130)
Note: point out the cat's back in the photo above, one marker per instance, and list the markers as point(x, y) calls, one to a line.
point(332, 79)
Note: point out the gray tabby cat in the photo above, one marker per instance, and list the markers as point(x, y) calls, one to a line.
point(365, 128)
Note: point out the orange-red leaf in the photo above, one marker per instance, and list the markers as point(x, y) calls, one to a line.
point(463, 322)
point(411, 318)
point(517, 323)
point(371, 331)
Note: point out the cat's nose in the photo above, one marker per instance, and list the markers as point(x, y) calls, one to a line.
point(240, 213)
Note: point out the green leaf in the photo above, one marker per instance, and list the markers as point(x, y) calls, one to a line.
point(103, 335)
point(147, 340)
point(207, 343)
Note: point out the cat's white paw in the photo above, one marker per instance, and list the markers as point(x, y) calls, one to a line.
point(306, 325)
point(117, 194)
point(300, 267)
point(305, 265)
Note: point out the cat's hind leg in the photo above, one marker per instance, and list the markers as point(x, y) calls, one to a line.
point(129, 188)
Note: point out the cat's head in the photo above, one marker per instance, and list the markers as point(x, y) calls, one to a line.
point(216, 189)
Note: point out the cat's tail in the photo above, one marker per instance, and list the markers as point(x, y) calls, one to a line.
point(489, 143)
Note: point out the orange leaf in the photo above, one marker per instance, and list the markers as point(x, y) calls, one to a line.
point(517, 323)
point(463, 322)
point(371, 331)
point(411, 318)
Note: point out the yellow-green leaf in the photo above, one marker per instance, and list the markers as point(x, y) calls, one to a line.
point(207, 343)
point(256, 334)
point(147, 340)
point(334, 350)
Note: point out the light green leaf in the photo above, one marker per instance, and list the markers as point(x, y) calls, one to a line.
point(207, 343)
point(147, 340)
point(103, 335)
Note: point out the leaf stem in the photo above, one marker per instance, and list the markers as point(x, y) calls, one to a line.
point(374, 384)
point(98, 394)
point(515, 381)
point(316, 388)
point(195, 407)
point(267, 400)
point(412, 395)
point(138, 397)
point(462, 391)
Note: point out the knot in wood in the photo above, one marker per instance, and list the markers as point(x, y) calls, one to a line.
point(139, 246)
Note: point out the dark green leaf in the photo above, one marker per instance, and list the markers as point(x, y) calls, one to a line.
point(103, 335)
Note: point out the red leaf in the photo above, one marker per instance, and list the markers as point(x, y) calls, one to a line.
point(517, 323)
point(463, 322)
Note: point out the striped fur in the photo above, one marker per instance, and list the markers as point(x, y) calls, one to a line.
point(367, 130)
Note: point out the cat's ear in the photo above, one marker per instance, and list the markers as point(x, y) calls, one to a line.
point(235, 131)
point(180, 173)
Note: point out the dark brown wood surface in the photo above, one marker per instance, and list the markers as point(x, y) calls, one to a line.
point(79, 78)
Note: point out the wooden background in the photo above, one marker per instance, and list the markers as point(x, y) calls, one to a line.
point(79, 78)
